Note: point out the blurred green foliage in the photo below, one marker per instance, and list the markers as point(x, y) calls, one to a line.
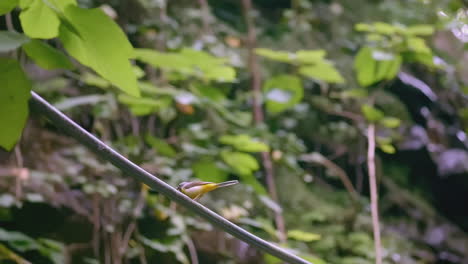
point(167, 83)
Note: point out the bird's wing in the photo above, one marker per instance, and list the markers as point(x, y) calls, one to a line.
point(195, 183)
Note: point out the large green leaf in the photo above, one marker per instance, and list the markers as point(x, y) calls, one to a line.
point(282, 56)
point(7, 5)
point(310, 56)
point(40, 21)
point(418, 45)
point(189, 62)
point(421, 30)
point(161, 146)
point(14, 96)
point(101, 45)
point(144, 105)
point(283, 92)
point(365, 66)
point(322, 71)
point(61, 5)
point(300, 235)
point(371, 113)
point(46, 56)
point(242, 163)
point(244, 142)
point(11, 40)
point(209, 170)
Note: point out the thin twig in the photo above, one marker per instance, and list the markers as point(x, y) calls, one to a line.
point(96, 225)
point(254, 68)
point(373, 191)
point(132, 226)
point(9, 22)
point(192, 250)
point(19, 164)
point(206, 15)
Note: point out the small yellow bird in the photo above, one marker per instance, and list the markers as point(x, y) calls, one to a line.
point(196, 189)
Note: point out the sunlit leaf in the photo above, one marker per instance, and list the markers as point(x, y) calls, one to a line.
point(46, 56)
point(418, 45)
point(101, 45)
point(208, 170)
point(14, 96)
point(421, 30)
point(161, 146)
point(365, 66)
point(144, 106)
point(310, 56)
point(371, 113)
point(391, 122)
point(303, 235)
point(323, 72)
point(40, 21)
point(244, 142)
point(7, 5)
point(282, 56)
point(384, 28)
point(283, 92)
point(387, 148)
point(11, 40)
point(242, 163)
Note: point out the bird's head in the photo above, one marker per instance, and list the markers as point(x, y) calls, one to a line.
point(181, 185)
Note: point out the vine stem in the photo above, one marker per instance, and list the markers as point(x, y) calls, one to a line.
point(373, 192)
point(254, 68)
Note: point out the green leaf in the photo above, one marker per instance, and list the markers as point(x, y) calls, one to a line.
point(189, 62)
point(23, 4)
point(244, 142)
point(388, 148)
point(282, 92)
point(365, 66)
point(363, 27)
point(355, 93)
point(11, 40)
point(418, 45)
point(7, 5)
point(220, 74)
point(421, 30)
point(101, 45)
point(143, 106)
point(46, 56)
point(310, 56)
point(282, 56)
point(61, 5)
point(393, 68)
point(94, 80)
point(18, 241)
point(242, 163)
point(322, 71)
point(39, 21)
point(208, 170)
point(372, 114)
point(303, 235)
point(161, 146)
point(384, 28)
point(14, 96)
point(390, 122)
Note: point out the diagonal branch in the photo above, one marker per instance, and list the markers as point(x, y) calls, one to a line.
point(61, 121)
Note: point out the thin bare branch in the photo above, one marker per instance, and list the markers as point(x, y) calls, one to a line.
point(254, 69)
point(373, 192)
